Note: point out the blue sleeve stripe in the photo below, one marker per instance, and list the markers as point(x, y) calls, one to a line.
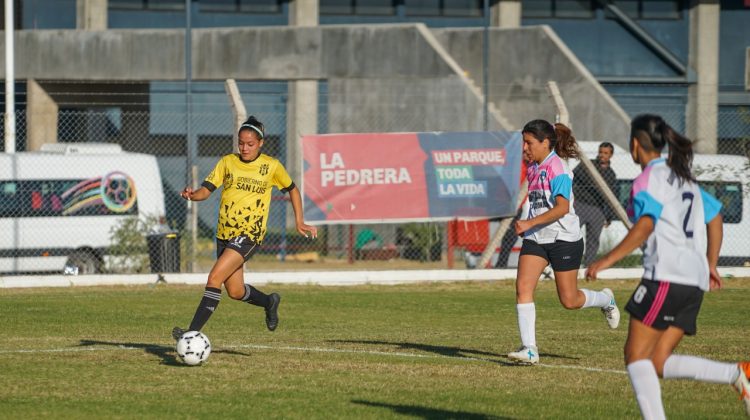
point(711, 206)
point(646, 205)
point(561, 185)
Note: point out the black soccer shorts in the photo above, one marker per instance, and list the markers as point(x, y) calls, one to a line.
point(563, 256)
point(660, 304)
point(242, 244)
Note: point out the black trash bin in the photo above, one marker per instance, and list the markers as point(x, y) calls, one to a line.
point(164, 252)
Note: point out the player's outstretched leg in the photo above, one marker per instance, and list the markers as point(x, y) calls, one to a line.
point(610, 311)
point(682, 366)
point(206, 308)
point(742, 384)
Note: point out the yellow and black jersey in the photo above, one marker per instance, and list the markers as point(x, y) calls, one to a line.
point(246, 197)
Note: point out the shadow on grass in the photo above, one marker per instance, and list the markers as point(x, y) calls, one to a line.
point(429, 413)
point(448, 351)
point(167, 354)
point(441, 350)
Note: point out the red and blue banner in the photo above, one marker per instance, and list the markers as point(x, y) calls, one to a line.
point(395, 177)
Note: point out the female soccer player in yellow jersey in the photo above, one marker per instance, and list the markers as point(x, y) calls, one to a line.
point(247, 178)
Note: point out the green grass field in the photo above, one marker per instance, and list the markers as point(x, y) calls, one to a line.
point(429, 351)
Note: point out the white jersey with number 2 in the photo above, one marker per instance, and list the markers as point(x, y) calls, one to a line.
point(675, 251)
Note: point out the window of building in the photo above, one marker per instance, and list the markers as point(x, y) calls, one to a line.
point(219, 6)
point(375, 7)
point(336, 7)
point(660, 9)
point(574, 9)
point(579, 9)
point(148, 4)
point(468, 8)
point(359, 7)
point(165, 4)
point(449, 8)
point(649, 9)
point(246, 6)
point(537, 8)
point(423, 7)
point(127, 4)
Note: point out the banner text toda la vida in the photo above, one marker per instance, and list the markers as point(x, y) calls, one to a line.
point(406, 176)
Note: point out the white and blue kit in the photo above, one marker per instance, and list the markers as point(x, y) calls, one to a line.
point(675, 251)
point(546, 181)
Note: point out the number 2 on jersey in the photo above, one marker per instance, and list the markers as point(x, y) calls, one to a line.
point(687, 196)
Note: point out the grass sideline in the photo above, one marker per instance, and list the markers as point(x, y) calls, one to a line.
point(433, 350)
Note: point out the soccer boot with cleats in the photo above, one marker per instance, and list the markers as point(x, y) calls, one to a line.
point(272, 311)
point(525, 355)
point(611, 313)
point(177, 332)
point(742, 384)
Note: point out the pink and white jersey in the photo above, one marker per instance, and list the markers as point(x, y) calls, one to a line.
point(676, 250)
point(547, 180)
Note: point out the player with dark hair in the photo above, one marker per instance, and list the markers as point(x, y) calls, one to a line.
point(682, 230)
point(551, 233)
point(247, 178)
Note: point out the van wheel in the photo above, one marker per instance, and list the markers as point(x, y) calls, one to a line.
point(83, 262)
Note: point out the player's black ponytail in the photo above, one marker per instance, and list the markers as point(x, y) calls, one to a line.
point(560, 137)
point(653, 133)
point(566, 146)
point(252, 124)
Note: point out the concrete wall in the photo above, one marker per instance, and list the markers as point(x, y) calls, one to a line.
point(275, 53)
point(404, 104)
point(521, 62)
point(99, 55)
point(411, 76)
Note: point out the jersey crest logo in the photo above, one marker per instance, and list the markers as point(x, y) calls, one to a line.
point(228, 180)
point(264, 169)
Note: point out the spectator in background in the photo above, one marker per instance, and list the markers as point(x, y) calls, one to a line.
point(590, 205)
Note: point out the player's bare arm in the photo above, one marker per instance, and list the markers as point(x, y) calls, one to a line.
point(200, 194)
point(715, 235)
point(304, 229)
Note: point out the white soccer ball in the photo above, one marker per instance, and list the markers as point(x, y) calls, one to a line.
point(193, 348)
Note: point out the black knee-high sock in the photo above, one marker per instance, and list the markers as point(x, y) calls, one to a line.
point(255, 297)
point(206, 308)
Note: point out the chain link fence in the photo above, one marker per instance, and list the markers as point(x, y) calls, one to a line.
point(108, 215)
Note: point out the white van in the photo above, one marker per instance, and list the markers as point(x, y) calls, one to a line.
point(726, 177)
point(58, 206)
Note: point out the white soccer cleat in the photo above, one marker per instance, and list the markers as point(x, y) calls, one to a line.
point(742, 385)
point(611, 313)
point(526, 355)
